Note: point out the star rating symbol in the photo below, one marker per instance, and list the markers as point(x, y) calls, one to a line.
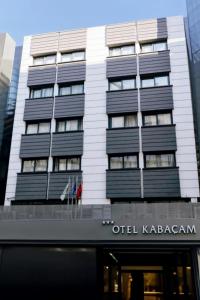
point(107, 222)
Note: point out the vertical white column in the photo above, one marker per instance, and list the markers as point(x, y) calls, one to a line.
point(182, 115)
point(94, 160)
point(19, 124)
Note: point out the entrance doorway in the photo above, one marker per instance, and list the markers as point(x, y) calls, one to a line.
point(147, 275)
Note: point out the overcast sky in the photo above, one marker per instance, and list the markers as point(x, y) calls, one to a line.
point(25, 17)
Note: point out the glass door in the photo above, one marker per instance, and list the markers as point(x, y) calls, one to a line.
point(139, 285)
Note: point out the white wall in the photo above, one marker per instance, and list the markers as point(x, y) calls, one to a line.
point(94, 160)
point(19, 126)
point(182, 115)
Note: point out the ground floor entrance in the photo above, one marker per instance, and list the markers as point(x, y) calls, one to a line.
point(138, 274)
point(98, 272)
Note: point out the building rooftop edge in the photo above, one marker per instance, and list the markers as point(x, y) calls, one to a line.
point(112, 24)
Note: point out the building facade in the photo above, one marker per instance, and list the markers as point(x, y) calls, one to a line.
point(7, 50)
point(104, 126)
point(192, 25)
point(114, 114)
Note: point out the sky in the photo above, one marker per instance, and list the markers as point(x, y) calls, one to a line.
point(27, 17)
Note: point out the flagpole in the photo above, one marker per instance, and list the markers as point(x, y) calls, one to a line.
point(72, 197)
point(75, 196)
point(81, 197)
point(68, 192)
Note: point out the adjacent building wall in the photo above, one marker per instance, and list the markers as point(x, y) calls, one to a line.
point(182, 114)
point(7, 52)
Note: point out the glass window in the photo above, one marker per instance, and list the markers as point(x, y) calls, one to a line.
point(61, 126)
point(36, 93)
point(50, 59)
point(73, 56)
point(62, 164)
point(65, 91)
point(47, 92)
point(41, 165)
point(43, 60)
point(44, 127)
point(160, 160)
point(77, 89)
point(38, 61)
point(151, 161)
point(130, 121)
point(71, 125)
point(115, 85)
point(78, 55)
point(116, 162)
point(161, 80)
point(150, 120)
point(147, 48)
point(147, 82)
point(164, 119)
point(32, 129)
point(167, 160)
point(127, 50)
point(128, 84)
point(160, 46)
point(117, 122)
point(130, 162)
point(115, 51)
point(73, 164)
point(67, 57)
point(28, 166)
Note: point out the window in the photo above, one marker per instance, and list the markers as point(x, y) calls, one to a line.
point(35, 128)
point(123, 121)
point(41, 92)
point(35, 165)
point(122, 50)
point(160, 160)
point(162, 80)
point(122, 84)
point(153, 47)
point(123, 162)
point(73, 89)
point(44, 60)
point(67, 164)
point(73, 56)
point(155, 119)
point(69, 125)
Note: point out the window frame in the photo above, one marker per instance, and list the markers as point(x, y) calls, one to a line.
point(110, 81)
point(38, 125)
point(156, 113)
point(154, 79)
point(121, 47)
point(34, 160)
point(72, 52)
point(41, 88)
point(160, 153)
point(124, 120)
point(122, 156)
point(153, 46)
point(80, 124)
point(66, 158)
point(70, 85)
point(43, 58)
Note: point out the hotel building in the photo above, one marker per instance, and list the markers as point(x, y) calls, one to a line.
point(106, 110)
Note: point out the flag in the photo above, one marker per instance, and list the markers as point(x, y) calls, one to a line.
point(73, 191)
point(63, 195)
point(79, 191)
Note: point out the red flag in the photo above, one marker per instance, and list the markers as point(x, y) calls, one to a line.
point(79, 191)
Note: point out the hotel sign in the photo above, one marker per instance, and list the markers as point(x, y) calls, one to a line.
point(151, 229)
